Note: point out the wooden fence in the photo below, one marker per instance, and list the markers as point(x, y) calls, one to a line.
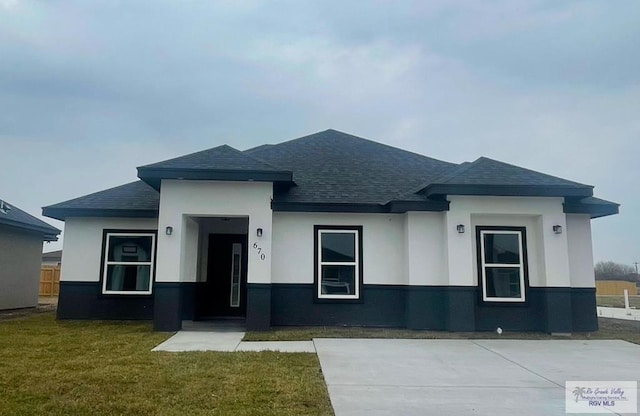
point(50, 281)
point(615, 287)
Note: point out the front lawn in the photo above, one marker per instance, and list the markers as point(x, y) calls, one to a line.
point(106, 368)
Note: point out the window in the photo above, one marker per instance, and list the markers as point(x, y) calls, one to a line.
point(236, 264)
point(338, 265)
point(502, 264)
point(128, 263)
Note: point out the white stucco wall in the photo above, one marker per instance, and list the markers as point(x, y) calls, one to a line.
point(383, 244)
point(425, 249)
point(416, 248)
point(580, 250)
point(82, 246)
point(549, 265)
point(184, 199)
point(534, 244)
point(189, 250)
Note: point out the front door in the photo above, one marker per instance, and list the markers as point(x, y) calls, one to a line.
point(225, 292)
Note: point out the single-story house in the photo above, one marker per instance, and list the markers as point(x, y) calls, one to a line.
point(52, 258)
point(21, 237)
point(333, 229)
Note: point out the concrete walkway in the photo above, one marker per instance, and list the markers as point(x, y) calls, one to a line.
point(619, 313)
point(457, 377)
point(225, 336)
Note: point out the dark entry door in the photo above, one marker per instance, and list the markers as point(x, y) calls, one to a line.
point(225, 292)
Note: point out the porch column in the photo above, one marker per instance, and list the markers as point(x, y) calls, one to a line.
point(259, 273)
point(167, 307)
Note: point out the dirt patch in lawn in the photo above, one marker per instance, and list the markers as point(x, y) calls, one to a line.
point(43, 307)
point(609, 329)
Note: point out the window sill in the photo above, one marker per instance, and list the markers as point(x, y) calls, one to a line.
point(126, 294)
point(337, 300)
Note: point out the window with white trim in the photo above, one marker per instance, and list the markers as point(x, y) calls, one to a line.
point(502, 261)
point(128, 263)
point(338, 263)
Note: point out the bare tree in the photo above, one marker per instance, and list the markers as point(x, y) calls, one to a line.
point(609, 270)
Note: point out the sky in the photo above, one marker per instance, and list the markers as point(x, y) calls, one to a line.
point(91, 90)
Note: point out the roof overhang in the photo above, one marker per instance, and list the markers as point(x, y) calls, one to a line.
point(594, 207)
point(63, 213)
point(154, 176)
point(395, 207)
point(48, 233)
point(507, 190)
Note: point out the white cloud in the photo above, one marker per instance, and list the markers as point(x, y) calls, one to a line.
point(90, 90)
point(8, 4)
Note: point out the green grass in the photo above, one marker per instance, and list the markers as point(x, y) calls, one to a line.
point(106, 368)
point(609, 329)
point(617, 301)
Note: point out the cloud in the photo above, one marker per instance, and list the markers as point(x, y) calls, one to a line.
point(90, 90)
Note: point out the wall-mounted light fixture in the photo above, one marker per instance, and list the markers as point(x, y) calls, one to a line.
point(259, 232)
point(557, 229)
point(168, 230)
point(460, 228)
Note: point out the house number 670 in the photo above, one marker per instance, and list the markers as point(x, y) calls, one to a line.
point(259, 250)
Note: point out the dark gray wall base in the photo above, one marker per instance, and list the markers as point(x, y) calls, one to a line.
point(548, 309)
point(559, 315)
point(258, 307)
point(425, 307)
point(462, 309)
point(445, 308)
point(450, 308)
point(583, 307)
point(381, 305)
point(188, 299)
point(167, 314)
point(84, 300)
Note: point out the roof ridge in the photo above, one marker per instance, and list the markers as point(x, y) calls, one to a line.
point(207, 152)
point(352, 137)
point(188, 154)
point(257, 159)
point(437, 178)
point(488, 159)
point(461, 168)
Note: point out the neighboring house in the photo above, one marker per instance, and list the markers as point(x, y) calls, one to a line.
point(21, 237)
point(52, 258)
point(333, 229)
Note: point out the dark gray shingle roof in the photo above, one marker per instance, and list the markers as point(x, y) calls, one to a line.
point(220, 163)
point(485, 171)
point(486, 176)
point(15, 217)
point(136, 199)
point(333, 169)
point(218, 158)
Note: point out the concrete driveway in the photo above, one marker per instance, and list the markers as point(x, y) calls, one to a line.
point(459, 377)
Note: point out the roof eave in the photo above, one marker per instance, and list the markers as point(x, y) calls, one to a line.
point(593, 210)
point(429, 206)
point(508, 190)
point(49, 233)
point(63, 213)
point(394, 207)
point(154, 176)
